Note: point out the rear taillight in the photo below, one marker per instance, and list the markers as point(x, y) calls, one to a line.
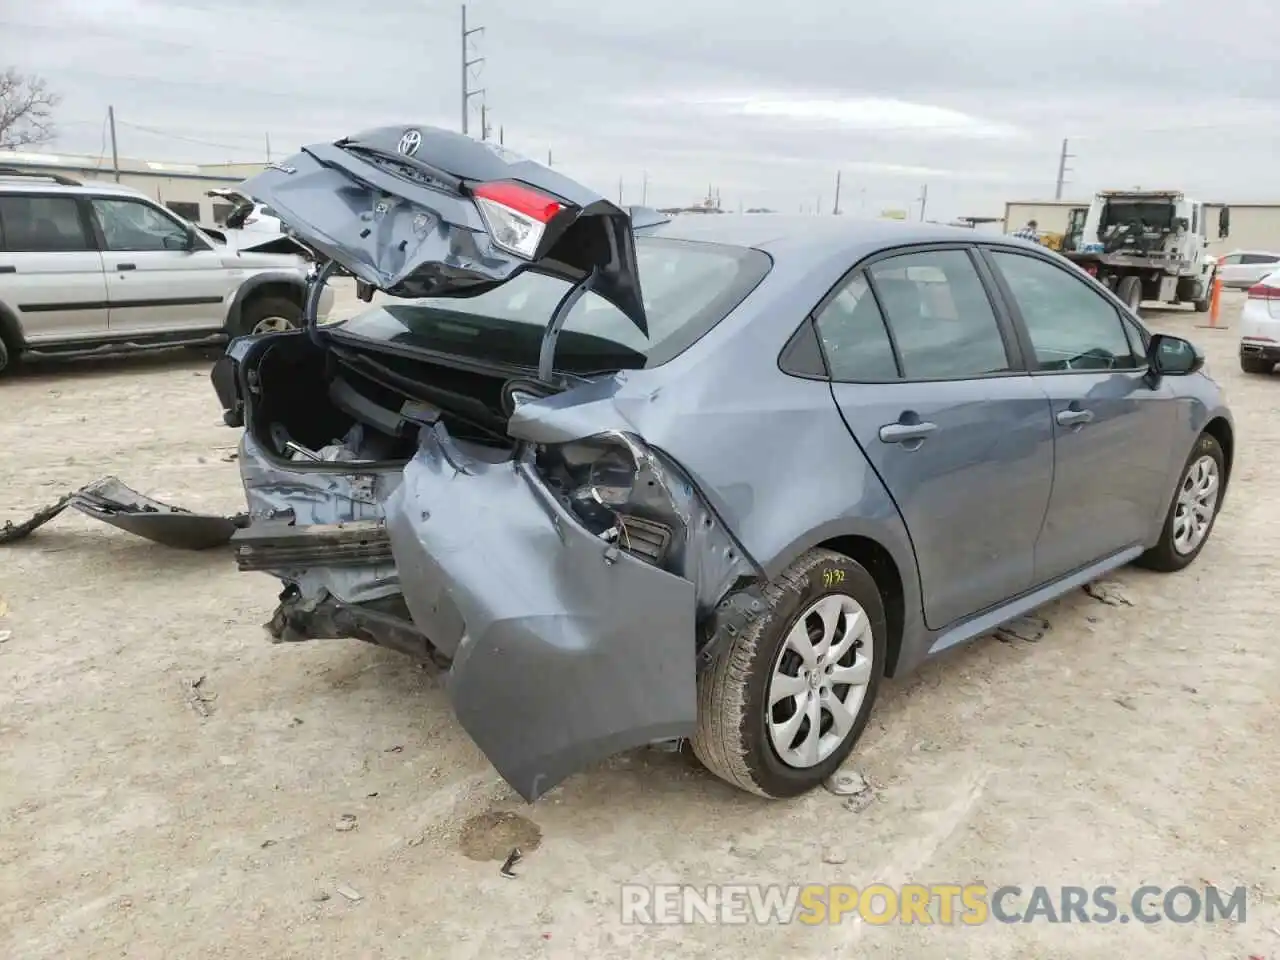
point(1264, 291)
point(515, 215)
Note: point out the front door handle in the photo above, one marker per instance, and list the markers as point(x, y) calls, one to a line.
point(8, 268)
point(126, 266)
point(906, 432)
point(1074, 418)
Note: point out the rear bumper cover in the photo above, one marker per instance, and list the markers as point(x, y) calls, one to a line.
point(1260, 351)
point(572, 650)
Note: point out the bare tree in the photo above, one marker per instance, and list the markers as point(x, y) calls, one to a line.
point(26, 110)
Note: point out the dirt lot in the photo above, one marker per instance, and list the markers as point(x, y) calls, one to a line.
point(1132, 744)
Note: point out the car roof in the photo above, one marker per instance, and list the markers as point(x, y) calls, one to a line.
point(815, 235)
point(37, 184)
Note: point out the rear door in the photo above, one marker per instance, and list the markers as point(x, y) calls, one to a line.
point(1113, 430)
point(1258, 265)
point(930, 383)
point(50, 269)
point(156, 281)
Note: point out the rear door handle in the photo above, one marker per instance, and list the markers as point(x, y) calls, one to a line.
point(1074, 418)
point(126, 266)
point(906, 432)
point(6, 268)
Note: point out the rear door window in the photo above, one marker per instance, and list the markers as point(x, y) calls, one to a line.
point(939, 316)
point(39, 224)
point(854, 337)
point(1258, 258)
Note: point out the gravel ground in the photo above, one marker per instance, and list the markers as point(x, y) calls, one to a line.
point(1132, 744)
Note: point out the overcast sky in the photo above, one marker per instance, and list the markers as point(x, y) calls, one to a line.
point(763, 100)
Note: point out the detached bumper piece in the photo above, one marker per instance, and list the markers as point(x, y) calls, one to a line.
point(111, 501)
point(1251, 350)
point(278, 544)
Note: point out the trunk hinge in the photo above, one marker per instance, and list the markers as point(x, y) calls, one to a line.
point(547, 351)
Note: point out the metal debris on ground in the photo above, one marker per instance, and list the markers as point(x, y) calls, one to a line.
point(1124, 702)
point(6, 636)
point(514, 857)
point(267, 843)
point(1108, 592)
point(834, 855)
point(346, 822)
point(860, 801)
point(319, 896)
point(1026, 629)
point(198, 699)
point(396, 749)
point(847, 784)
point(117, 504)
point(350, 894)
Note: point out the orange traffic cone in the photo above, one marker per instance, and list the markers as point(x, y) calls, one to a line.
point(1215, 305)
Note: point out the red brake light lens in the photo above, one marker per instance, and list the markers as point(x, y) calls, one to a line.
point(515, 215)
point(1264, 291)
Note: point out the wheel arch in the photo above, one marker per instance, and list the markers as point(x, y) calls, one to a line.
point(1221, 430)
point(272, 283)
point(886, 553)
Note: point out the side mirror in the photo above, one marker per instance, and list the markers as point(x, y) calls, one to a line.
point(1171, 356)
point(1224, 222)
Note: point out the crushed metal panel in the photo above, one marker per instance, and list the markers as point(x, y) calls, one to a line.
point(318, 497)
point(573, 650)
point(111, 501)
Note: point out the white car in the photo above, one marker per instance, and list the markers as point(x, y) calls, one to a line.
point(1260, 326)
point(1243, 268)
point(245, 213)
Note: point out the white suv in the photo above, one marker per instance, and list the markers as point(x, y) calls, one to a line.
point(98, 269)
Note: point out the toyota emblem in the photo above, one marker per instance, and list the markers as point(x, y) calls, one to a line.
point(410, 143)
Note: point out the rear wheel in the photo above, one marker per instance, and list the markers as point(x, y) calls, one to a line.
point(1256, 365)
point(1194, 509)
point(5, 360)
point(785, 700)
point(268, 314)
point(1129, 290)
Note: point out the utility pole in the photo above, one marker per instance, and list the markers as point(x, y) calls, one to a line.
point(1063, 170)
point(502, 138)
point(115, 157)
point(924, 199)
point(835, 207)
point(467, 92)
point(644, 188)
point(619, 191)
point(485, 129)
point(548, 158)
point(268, 147)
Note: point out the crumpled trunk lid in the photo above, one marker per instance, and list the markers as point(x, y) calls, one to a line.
point(396, 207)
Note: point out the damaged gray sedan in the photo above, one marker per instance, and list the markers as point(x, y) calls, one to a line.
point(631, 480)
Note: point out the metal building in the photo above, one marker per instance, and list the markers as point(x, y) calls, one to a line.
point(182, 187)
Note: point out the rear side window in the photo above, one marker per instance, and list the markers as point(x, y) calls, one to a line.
point(688, 288)
point(939, 315)
point(1258, 258)
point(854, 338)
point(36, 224)
point(1071, 325)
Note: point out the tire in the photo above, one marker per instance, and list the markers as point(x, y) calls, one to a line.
point(733, 738)
point(1129, 290)
point(6, 360)
point(1256, 365)
point(260, 311)
point(1202, 306)
point(1168, 555)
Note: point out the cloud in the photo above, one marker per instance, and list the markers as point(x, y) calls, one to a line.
point(765, 103)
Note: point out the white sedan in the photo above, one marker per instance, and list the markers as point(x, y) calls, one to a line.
point(1260, 326)
point(1244, 268)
